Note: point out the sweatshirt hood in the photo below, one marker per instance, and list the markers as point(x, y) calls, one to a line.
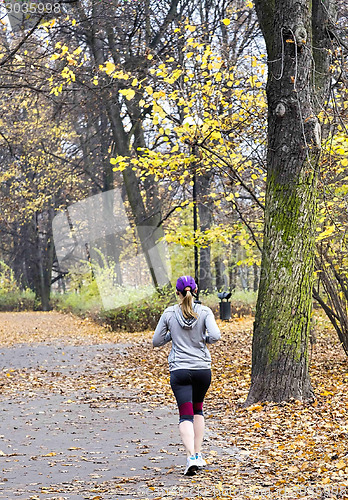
point(189, 323)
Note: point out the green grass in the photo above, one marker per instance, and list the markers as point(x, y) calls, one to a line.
point(243, 297)
point(240, 297)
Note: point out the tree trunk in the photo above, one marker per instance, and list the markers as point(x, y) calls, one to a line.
point(112, 241)
point(256, 277)
point(145, 210)
point(40, 253)
point(147, 224)
point(232, 272)
point(243, 274)
point(283, 310)
point(219, 274)
point(205, 219)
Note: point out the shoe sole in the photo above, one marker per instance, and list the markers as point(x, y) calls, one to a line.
point(191, 471)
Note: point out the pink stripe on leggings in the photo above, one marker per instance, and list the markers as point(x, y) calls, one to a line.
point(186, 409)
point(198, 406)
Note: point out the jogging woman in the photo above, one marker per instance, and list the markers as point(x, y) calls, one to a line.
point(190, 326)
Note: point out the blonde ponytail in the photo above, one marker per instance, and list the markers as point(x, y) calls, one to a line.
point(186, 306)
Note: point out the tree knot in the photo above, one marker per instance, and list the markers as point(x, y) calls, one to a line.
point(300, 35)
point(280, 109)
point(313, 127)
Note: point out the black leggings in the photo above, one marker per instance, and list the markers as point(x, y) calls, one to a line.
point(190, 387)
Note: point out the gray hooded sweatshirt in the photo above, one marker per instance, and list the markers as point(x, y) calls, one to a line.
point(189, 337)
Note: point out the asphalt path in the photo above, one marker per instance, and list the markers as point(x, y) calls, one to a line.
point(61, 440)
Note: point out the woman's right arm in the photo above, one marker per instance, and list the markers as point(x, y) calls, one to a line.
point(161, 335)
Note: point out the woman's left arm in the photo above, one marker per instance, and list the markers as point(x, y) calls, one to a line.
point(162, 334)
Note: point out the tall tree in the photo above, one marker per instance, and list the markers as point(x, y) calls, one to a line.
point(36, 179)
point(297, 35)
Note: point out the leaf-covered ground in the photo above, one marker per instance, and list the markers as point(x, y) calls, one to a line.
point(266, 451)
point(287, 450)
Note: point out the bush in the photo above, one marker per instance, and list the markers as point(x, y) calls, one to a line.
point(12, 298)
point(145, 314)
point(138, 314)
point(142, 315)
point(81, 304)
point(141, 312)
point(18, 300)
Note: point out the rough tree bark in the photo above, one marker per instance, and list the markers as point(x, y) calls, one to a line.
point(205, 220)
point(256, 277)
point(106, 42)
point(283, 311)
point(219, 274)
point(39, 256)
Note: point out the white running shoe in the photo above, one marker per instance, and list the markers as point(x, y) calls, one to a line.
point(191, 466)
point(200, 460)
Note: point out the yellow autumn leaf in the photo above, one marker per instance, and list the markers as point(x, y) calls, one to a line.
point(325, 233)
point(254, 407)
point(226, 21)
point(326, 393)
point(128, 93)
point(109, 67)
point(219, 486)
point(52, 454)
point(293, 468)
